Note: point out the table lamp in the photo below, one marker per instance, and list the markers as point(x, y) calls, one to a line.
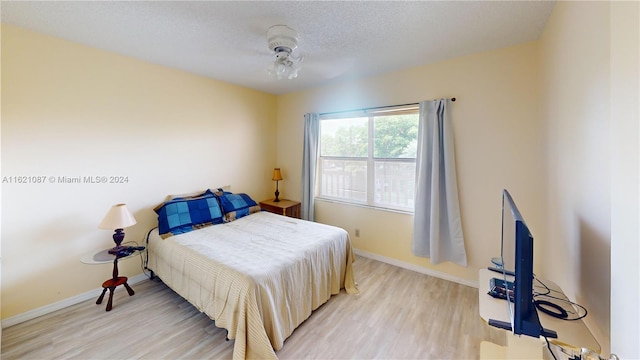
point(117, 218)
point(277, 176)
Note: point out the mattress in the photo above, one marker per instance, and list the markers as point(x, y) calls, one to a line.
point(258, 277)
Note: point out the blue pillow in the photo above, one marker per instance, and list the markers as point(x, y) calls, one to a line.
point(219, 192)
point(236, 206)
point(187, 197)
point(182, 215)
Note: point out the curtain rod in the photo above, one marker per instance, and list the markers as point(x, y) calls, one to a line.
point(373, 108)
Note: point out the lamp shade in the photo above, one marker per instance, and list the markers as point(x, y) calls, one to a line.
point(277, 175)
point(118, 217)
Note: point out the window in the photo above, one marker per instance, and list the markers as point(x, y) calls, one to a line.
point(369, 158)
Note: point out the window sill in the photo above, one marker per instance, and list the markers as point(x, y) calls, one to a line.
point(379, 208)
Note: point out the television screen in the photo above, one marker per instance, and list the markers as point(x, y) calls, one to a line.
point(517, 258)
point(508, 246)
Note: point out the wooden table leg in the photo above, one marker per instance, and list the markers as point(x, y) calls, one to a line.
point(101, 296)
point(129, 289)
point(110, 302)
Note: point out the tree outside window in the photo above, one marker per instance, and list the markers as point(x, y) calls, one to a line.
point(369, 160)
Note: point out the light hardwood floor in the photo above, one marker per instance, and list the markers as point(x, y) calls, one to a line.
point(399, 314)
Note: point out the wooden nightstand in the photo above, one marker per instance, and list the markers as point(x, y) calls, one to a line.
point(283, 207)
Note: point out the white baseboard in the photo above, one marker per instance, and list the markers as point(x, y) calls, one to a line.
point(416, 268)
point(32, 314)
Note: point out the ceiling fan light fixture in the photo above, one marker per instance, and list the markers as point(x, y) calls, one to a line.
point(282, 36)
point(282, 41)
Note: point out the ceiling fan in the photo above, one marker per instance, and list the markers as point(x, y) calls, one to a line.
point(282, 41)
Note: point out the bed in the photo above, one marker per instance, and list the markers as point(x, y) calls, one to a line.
point(256, 274)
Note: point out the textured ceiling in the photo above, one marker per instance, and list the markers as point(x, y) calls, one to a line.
point(340, 40)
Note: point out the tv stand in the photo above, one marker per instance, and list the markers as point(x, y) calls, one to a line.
point(507, 326)
point(571, 335)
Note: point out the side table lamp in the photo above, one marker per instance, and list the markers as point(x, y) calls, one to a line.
point(117, 218)
point(277, 176)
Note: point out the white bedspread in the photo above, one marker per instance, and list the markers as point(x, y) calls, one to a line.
point(259, 277)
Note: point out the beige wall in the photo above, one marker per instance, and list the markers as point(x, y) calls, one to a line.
point(70, 110)
point(625, 179)
point(576, 106)
point(498, 135)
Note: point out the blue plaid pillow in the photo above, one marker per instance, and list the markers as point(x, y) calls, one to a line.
point(219, 191)
point(236, 206)
point(194, 196)
point(182, 215)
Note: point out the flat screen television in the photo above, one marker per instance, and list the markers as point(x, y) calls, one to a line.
point(517, 259)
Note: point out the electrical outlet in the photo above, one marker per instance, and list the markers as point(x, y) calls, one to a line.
point(357, 232)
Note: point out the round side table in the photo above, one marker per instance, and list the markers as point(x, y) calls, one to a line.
point(103, 257)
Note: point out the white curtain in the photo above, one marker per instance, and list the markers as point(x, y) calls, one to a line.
point(309, 164)
point(437, 227)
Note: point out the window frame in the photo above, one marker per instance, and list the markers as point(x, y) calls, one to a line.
point(370, 160)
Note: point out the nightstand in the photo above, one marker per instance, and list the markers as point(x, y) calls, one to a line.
point(284, 207)
point(103, 257)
